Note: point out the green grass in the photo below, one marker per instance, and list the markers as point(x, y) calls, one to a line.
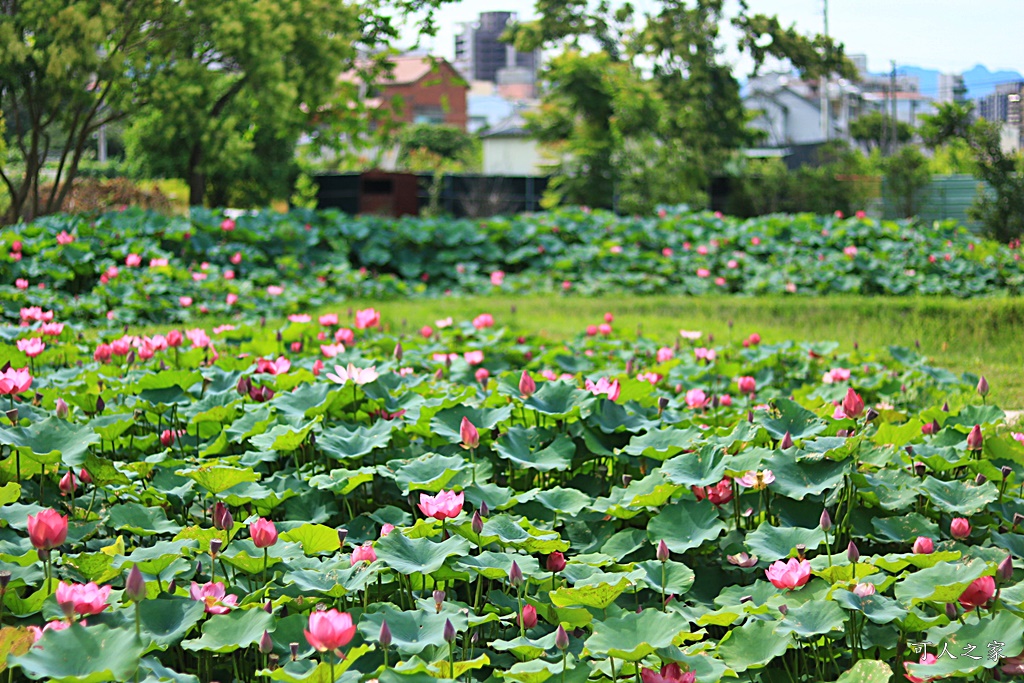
point(982, 336)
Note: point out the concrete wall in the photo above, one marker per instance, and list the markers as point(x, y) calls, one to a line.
point(511, 156)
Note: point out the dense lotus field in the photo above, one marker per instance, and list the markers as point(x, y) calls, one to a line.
point(334, 500)
point(130, 266)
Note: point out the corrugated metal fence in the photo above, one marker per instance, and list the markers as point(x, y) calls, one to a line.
point(947, 197)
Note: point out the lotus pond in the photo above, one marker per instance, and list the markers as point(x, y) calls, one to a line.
point(344, 498)
point(135, 267)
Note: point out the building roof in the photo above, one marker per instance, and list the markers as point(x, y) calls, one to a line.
point(408, 69)
point(512, 127)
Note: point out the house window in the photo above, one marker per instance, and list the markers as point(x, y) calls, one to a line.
point(428, 115)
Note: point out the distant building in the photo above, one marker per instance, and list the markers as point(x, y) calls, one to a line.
point(508, 150)
point(787, 109)
point(1006, 107)
point(951, 88)
point(481, 56)
point(420, 89)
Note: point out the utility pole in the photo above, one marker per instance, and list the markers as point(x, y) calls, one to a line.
point(826, 125)
point(895, 110)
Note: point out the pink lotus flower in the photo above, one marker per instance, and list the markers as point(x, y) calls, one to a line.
point(704, 354)
point(691, 335)
point(35, 314)
point(329, 630)
point(275, 290)
point(352, 373)
point(386, 529)
point(263, 533)
point(923, 546)
point(756, 480)
point(174, 338)
point(443, 322)
point(1018, 436)
point(31, 347)
point(527, 385)
point(21, 283)
point(345, 336)
point(497, 278)
point(978, 593)
point(836, 375)
point(703, 273)
point(158, 263)
point(363, 553)
point(213, 596)
point(87, 599)
point(185, 301)
point(651, 377)
point(1013, 666)
point(227, 225)
point(959, 528)
point(231, 299)
point(789, 575)
point(15, 381)
point(670, 673)
point(863, 590)
point(742, 560)
point(198, 337)
point(747, 384)
point(666, 251)
point(591, 330)
point(318, 366)
point(604, 387)
point(474, 357)
point(229, 274)
point(469, 434)
point(696, 398)
point(426, 331)
point(444, 357)
point(133, 260)
point(850, 251)
point(367, 318)
point(52, 329)
point(605, 329)
point(329, 319)
point(198, 277)
point(926, 659)
point(445, 505)
point(47, 529)
point(719, 494)
point(483, 321)
point(615, 249)
point(332, 350)
point(274, 367)
point(300, 318)
point(64, 237)
point(853, 404)
point(236, 258)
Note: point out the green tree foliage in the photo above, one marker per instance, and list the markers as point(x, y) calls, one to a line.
point(876, 130)
point(906, 174)
point(656, 98)
point(447, 142)
point(67, 67)
point(1002, 211)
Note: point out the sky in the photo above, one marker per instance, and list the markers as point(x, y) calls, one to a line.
point(948, 35)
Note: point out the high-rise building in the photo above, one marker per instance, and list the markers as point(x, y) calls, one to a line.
point(1003, 105)
point(480, 55)
point(951, 88)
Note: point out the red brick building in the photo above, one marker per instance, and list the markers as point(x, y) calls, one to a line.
point(422, 90)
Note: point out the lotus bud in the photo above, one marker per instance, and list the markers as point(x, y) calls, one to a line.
point(342, 535)
point(844, 433)
point(750, 416)
point(84, 476)
point(398, 352)
point(555, 562)
point(244, 386)
point(787, 441)
point(945, 407)
point(951, 611)
point(439, 374)
point(863, 590)
point(268, 607)
point(853, 404)
point(5, 579)
point(12, 415)
point(662, 553)
point(527, 385)
point(477, 523)
point(449, 631)
point(528, 617)
point(279, 336)
point(561, 638)
point(801, 551)
point(626, 480)
point(1005, 570)
point(172, 586)
point(871, 415)
point(936, 426)
point(852, 553)
point(975, 439)
point(484, 510)
point(1006, 470)
point(784, 609)
point(222, 518)
point(960, 528)
point(266, 643)
point(983, 386)
point(980, 479)
point(385, 635)
point(470, 435)
point(68, 608)
point(515, 575)
point(135, 586)
point(629, 366)
point(62, 409)
point(662, 404)
point(215, 545)
point(294, 647)
point(1018, 519)
point(438, 599)
point(920, 468)
point(826, 520)
point(67, 483)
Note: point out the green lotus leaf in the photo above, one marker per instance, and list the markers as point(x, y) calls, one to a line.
point(905, 528)
point(496, 566)
point(685, 524)
point(624, 542)
point(303, 402)
point(141, 520)
point(343, 442)
point(94, 654)
point(10, 492)
point(664, 443)
point(597, 595)
point(772, 543)
point(447, 423)
point(538, 671)
point(52, 440)
point(155, 558)
point(957, 496)
point(867, 671)
point(701, 468)
point(634, 636)
point(558, 399)
point(800, 478)
point(166, 621)
point(943, 582)
point(793, 418)
point(418, 555)
point(521, 535)
point(677, 576)
point(232, 631)
point(316, 539)
point(284, 438)
point(564, 501)
point(897, 562)
point(14, 641)
point(1003, 627)
point(813, 619)
point(971, 415)
point(219, 478)
point(526, 648)
point(431, 472)
point(753, 645)
point(343, 482)
point(461, 667)
point(306, 671)
point(878, 608)
point(412, 631)
point(522, 446)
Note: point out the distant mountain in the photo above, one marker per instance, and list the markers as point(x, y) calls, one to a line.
point(979, 80)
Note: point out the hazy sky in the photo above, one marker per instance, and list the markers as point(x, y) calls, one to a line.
point(949, 35)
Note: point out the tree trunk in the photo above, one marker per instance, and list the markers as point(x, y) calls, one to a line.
point(196, 178)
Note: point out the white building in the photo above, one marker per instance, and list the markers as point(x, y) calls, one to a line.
point(508, 150)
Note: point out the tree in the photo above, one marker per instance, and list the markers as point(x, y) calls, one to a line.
point(68, 67)
point(1001, 211)
point(906, 174)
point(445, 142)
point(663, 71)
point(877, 130)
